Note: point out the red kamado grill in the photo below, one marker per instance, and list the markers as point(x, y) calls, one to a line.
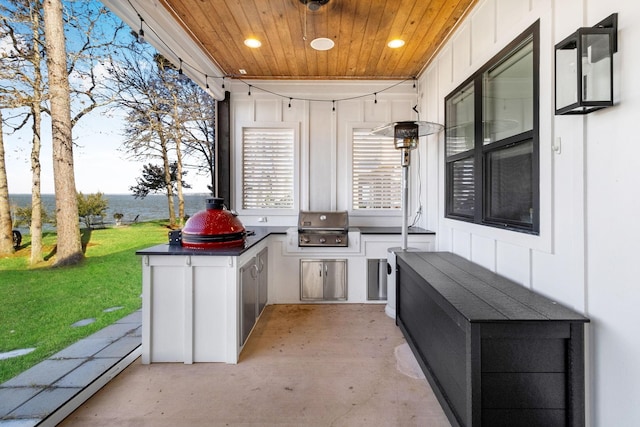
point(214, 227)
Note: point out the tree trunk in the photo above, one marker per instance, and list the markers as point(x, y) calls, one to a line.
point(69, 246)
point(167, 180)
point(36, 143)
point(167, 173)
point(177, 122)
point(6, 225)
point(179, 184)
point(36, 200)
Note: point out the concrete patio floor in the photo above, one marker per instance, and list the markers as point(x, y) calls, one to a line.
point(304, 365)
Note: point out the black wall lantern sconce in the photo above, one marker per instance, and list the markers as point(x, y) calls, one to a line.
point(584, 68)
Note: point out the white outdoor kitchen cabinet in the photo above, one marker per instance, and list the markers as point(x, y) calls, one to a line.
point(200, 305)
point(254, 292)
point(191, 304)
point(365, 243)
point(323, 280)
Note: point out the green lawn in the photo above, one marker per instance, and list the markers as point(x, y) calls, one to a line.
point(39, 305)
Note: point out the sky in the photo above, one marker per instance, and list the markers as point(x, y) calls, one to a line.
point(98, 163)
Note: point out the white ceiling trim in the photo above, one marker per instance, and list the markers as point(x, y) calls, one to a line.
point(171, 40)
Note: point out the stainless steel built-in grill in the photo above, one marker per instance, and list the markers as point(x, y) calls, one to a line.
point(328, 228)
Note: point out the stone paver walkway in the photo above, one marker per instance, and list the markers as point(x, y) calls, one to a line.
point(30, 398)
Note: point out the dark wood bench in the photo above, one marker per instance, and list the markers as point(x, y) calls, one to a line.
point(495, 353)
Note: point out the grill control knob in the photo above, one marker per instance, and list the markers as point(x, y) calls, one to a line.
point(338, 240)
point(305, 239)
point(323, 240)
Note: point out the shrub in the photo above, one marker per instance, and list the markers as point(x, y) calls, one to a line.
point(91, 207)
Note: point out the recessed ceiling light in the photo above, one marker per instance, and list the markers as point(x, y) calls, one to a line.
point(314, 5)
point(242, 71)
point(253, 43)
point(395, 43)
point(322, 43)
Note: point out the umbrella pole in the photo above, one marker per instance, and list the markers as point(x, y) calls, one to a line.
point(405, 197)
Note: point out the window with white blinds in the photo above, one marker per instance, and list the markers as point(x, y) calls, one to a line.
point(376, 172)
point(268, 168)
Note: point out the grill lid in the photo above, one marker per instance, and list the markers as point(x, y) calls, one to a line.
point(317, 221)
point(214, 227)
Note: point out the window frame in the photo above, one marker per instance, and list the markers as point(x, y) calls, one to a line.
point(481, 152)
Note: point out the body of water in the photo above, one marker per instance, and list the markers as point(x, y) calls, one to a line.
point(154, 206)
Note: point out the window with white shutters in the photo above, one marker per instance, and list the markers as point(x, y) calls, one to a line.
point(376, 172)
point(268, 168)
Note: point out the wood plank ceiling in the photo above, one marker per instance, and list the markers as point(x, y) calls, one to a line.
point(360, 30)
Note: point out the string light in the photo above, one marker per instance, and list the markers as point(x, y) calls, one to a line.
point(141, 39)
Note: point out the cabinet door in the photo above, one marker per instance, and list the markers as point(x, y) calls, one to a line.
point(335, 280)
point(262, 262)
point(248, 299)
point(312, 280)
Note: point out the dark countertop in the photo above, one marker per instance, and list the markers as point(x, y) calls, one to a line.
point(259, 233)
point(393, 230)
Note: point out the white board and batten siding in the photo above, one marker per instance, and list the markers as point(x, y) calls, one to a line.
point(323, 139)
point(586, 255)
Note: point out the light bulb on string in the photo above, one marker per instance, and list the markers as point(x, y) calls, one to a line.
point(141, 32)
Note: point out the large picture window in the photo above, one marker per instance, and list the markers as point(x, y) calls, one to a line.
point(491, 141)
